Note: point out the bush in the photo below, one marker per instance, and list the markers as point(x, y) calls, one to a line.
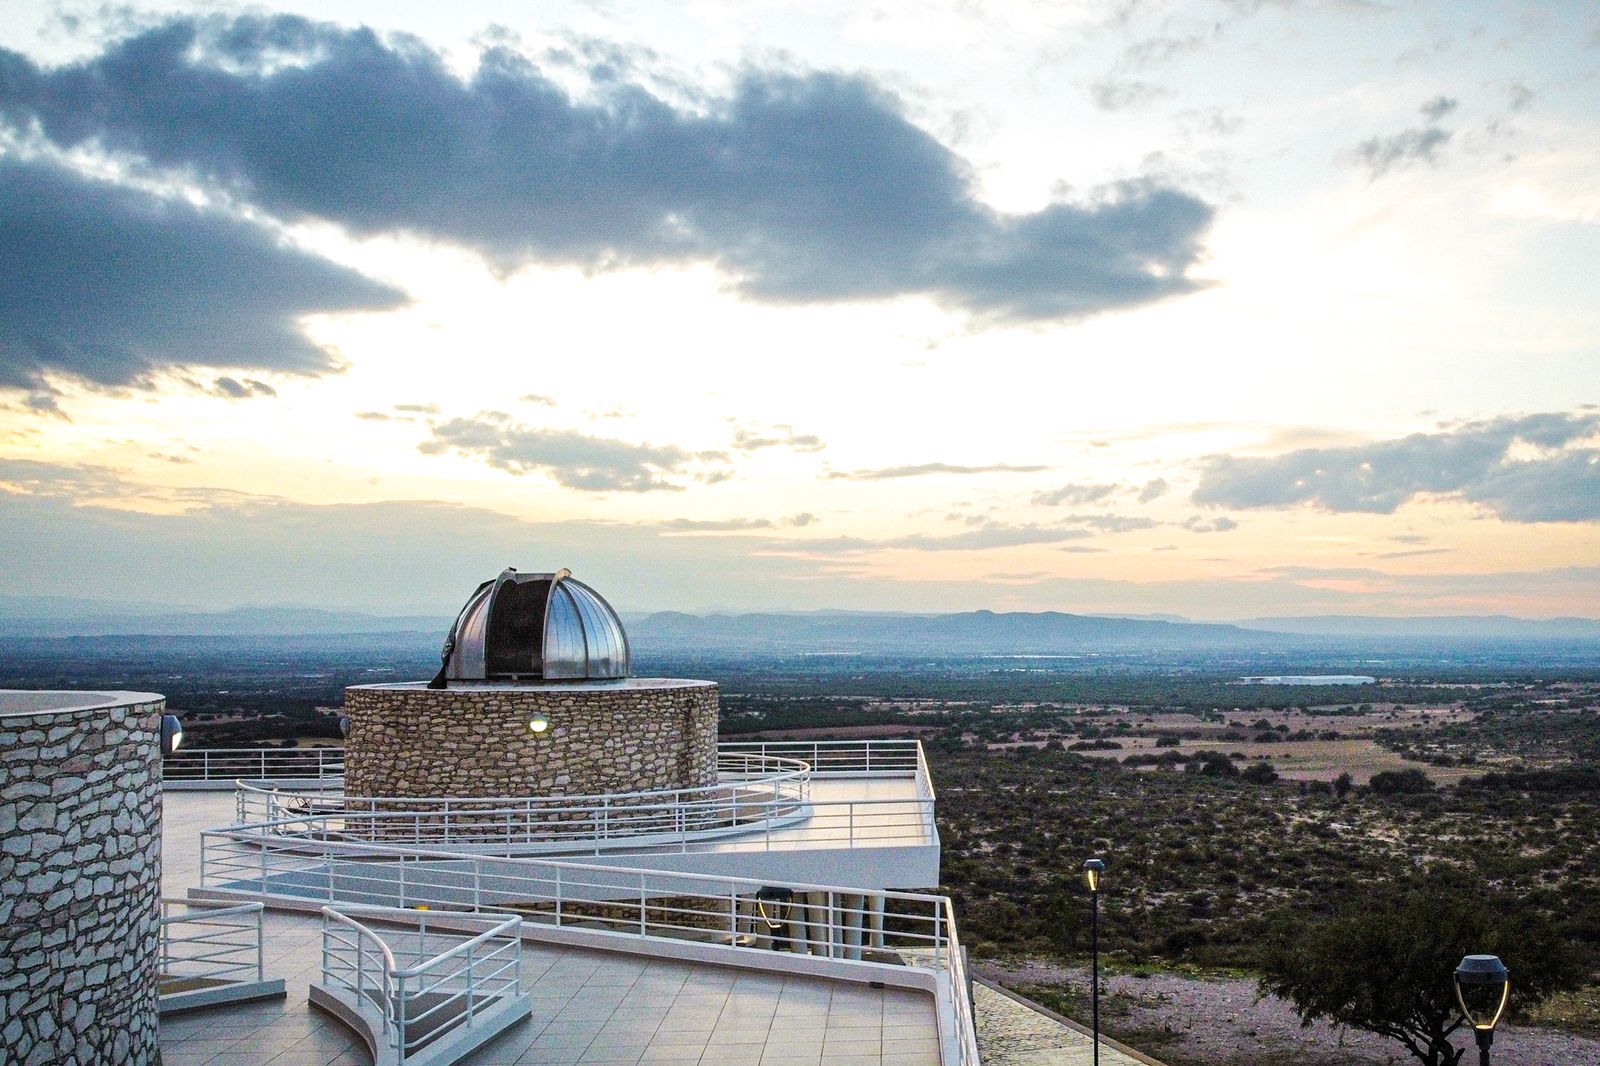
point(1392, 782)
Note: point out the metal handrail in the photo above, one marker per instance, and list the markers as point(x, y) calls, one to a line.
point(838, 922)
point(222, 764)
point(220, 952)
point(774, 771)
point(850, 823)
point(479, 972)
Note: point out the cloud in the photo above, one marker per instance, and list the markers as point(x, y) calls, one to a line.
point(1536, 468)
point(804, 518)
point(716, 525)
point(1220, 524)
point(110, 285)
point(799, 186)
point(1076, 495)
point(1119, 94)
point(1383, 154)
point(1153, 490)
point(1111, 523)
point(888, 473)
point(750, 440)
point(1439, 107)
point(234, 389)
point(1413, 552)
point(573, 460)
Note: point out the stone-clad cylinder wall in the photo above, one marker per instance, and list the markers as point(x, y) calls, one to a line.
point(80, 876)
point(472, 739)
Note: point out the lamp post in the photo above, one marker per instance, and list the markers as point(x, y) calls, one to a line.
point(1093, 870)
point(1483, 984)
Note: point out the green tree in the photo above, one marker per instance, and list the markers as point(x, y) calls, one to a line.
point(1383, 961)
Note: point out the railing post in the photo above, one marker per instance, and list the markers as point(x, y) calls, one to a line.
point(400, 1022)
point(471, 983)
point(641, 906)
point(558, 904)
point(261, 960)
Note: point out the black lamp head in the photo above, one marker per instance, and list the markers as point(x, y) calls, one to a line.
point(1483, 984)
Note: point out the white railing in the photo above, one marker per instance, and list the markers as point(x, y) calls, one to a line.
point(228, 764)
point(211, 942)
point(763, 791)
point(428, 977)
point(843, 758)
point(747, 782)
point(720, 825)
point(731, 914)
point(826, 757)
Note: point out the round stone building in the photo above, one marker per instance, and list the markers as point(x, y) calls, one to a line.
point(80, 877)
point(533, 698)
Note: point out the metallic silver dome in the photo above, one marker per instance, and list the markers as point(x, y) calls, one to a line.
point(547, 627)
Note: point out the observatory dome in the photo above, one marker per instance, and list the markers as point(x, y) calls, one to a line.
point(535, 627)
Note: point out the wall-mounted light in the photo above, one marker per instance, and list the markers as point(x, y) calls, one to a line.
point(344, 727)
point(538, 723)
point(171, 734)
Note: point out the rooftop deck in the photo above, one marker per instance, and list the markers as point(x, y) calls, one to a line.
point(590, 1006)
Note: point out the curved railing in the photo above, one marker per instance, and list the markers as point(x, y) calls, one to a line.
point(753, 788)
point(704, 916)
point(449, 999)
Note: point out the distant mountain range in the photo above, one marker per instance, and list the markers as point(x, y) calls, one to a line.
point(51, 616)
point(1476, 627)
point(972, 632)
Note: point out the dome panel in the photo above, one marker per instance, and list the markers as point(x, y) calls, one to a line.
point(535, 627)
point(565, 650)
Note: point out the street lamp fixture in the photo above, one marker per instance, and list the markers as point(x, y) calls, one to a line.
point(1483, 984)
point(1093, 873)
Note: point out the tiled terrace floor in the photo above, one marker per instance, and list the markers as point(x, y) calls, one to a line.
point(589, 1006)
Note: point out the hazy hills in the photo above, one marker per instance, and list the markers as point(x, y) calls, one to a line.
point(972, 632)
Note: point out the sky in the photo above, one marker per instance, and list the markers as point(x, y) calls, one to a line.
point(1225, 309)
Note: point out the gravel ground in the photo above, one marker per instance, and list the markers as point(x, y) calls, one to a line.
point(1220, 1023)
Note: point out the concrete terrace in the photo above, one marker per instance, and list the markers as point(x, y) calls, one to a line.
point(589, 1006)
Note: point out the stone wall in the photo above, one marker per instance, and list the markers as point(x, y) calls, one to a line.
point(474, 740)
point(80, 877)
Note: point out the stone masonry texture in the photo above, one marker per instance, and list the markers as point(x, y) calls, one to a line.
point(80, 885)
point(415, 742)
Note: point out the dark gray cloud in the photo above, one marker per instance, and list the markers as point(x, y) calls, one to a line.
point(1556, 480)
point(800, 187)
point(574, 460)
point(110, 285)
point(1075, 495)
point(889, 473)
